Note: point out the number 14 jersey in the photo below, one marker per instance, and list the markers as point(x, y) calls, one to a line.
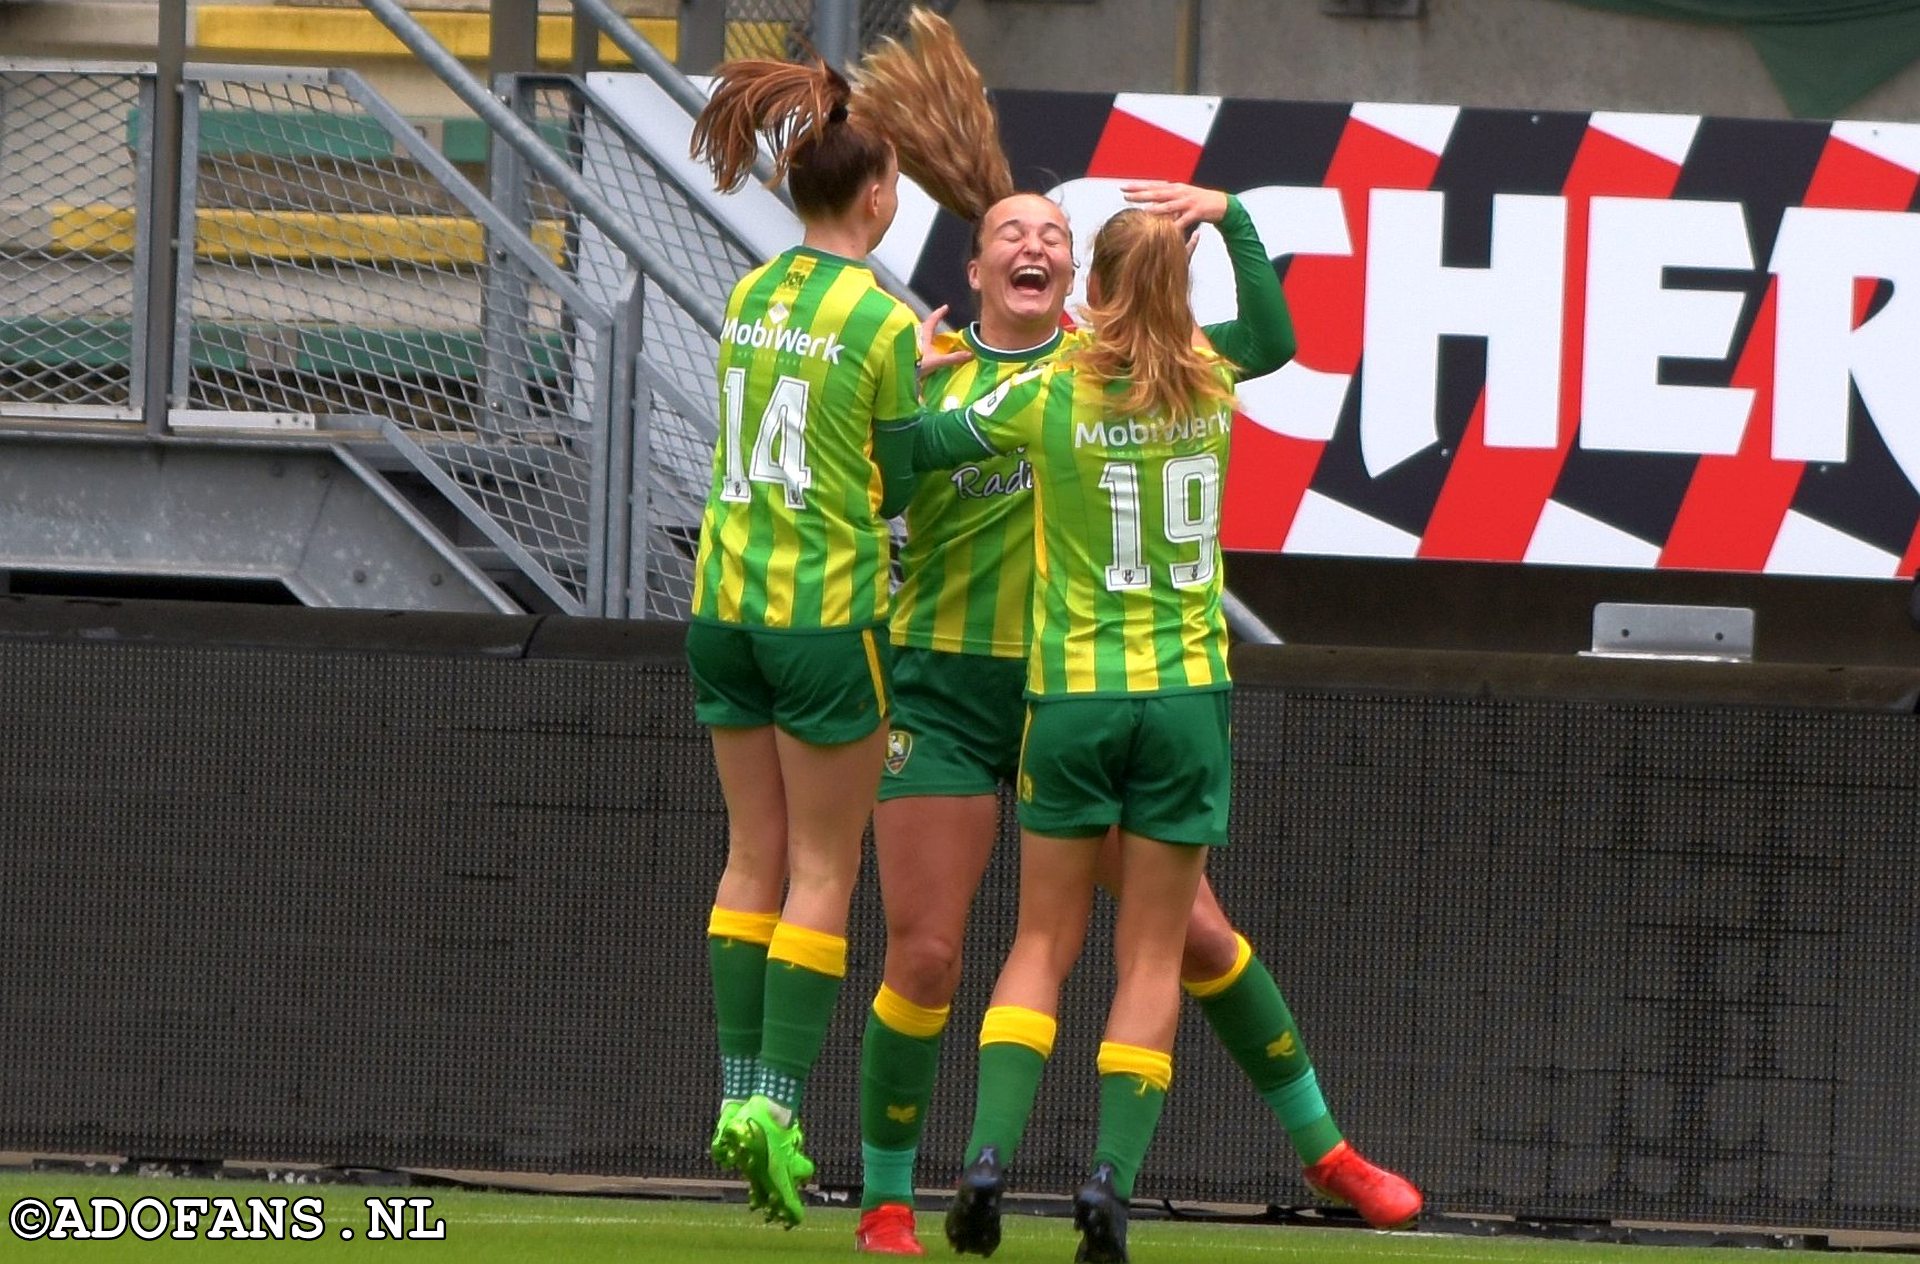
point(814, 357)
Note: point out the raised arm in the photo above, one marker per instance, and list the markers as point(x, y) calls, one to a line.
point(1260, 338)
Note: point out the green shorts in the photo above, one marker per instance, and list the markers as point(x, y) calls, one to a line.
point(1158, 766)
point(826, 688)
point(956, 723)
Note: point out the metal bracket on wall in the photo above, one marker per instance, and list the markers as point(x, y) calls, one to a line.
point(1374, 8)
point(1691, 633)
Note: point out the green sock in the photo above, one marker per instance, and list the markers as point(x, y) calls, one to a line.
point(1009, 1081)
point(886, 1176)
point(1129, 1114)
point(739, 970)
point(1252, 1020)
point(896, 1084)
point(799, 1008)
point(1303, 1112)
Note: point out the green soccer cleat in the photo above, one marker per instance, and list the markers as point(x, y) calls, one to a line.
point(773, 1163)
point(729, 1134)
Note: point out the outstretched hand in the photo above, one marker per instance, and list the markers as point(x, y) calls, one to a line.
point(930, 357)
point(1188, 204)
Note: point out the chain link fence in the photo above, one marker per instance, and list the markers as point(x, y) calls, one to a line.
point(74, 158)
point(340, 273)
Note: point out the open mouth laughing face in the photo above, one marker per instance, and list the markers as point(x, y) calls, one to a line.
point(1025, 266)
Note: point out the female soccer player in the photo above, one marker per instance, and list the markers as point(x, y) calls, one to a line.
point(960, 636)
point(1127, 720)
point(818, 381)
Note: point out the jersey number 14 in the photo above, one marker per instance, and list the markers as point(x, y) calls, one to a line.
point(779, 441)
point(1191, 516)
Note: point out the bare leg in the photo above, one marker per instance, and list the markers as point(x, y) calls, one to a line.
point(1155, 901)
point(932, 851)
point(1056, 898)
point(749, 766)
point(829, 795)
point(1212, 944)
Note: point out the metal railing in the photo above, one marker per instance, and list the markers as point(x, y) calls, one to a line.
point(674, 351)
point(337, 270)
point(334, 272)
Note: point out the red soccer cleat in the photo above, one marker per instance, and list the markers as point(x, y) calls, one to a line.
point(887, 1230)
point(1384, 1199)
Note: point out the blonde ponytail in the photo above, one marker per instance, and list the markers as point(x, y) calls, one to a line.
point(1143, 324)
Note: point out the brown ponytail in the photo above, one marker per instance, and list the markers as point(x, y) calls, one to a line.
point(1143, 325)
point(928, 97)
point(825, 153)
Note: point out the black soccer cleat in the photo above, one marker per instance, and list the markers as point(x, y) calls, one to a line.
point(973, 1222)
point(1100, 1215)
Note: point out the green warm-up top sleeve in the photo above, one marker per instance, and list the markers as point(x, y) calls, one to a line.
point(1260, 338)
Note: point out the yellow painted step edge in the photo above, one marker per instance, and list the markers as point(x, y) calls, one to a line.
point(275, 31)
point(300, 235)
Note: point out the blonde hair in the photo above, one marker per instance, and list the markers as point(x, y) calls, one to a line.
point(824, 151)
point(927, 96)
point(1143, 325)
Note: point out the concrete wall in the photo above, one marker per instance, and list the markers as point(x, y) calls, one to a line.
point(1542, 54)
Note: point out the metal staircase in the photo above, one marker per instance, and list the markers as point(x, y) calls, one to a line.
point(507, 390)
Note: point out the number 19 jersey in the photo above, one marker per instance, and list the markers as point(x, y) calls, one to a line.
point(814, 356)
point(1127, 564)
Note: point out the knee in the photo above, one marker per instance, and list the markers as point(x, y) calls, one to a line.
point(1045, 954)
point(923, 967)
point(753, 878)
point(1211, 950)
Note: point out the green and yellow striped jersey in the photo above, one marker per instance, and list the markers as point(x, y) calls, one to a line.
point(968, 560)
point(1127, 563)
point(814, 357)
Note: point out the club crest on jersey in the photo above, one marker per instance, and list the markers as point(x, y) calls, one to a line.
point(899, 750)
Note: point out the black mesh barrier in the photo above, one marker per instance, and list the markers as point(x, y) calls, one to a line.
point(431, 893)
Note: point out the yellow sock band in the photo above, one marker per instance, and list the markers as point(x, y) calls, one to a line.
point(1242, 954)
point(902, 1015)
point(1151, 1065)
point(813, 950)
point(1012, 1025)
point(752, 928)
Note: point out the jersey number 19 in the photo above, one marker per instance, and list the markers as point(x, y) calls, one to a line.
point(1192, 516)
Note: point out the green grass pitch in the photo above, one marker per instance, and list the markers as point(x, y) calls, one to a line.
point(488, 1227)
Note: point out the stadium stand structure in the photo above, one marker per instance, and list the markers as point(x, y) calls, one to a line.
point(412, 295)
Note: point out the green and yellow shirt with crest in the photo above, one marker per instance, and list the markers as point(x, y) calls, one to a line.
point(968, 560)
point(1127, 563)
point(814, 358)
